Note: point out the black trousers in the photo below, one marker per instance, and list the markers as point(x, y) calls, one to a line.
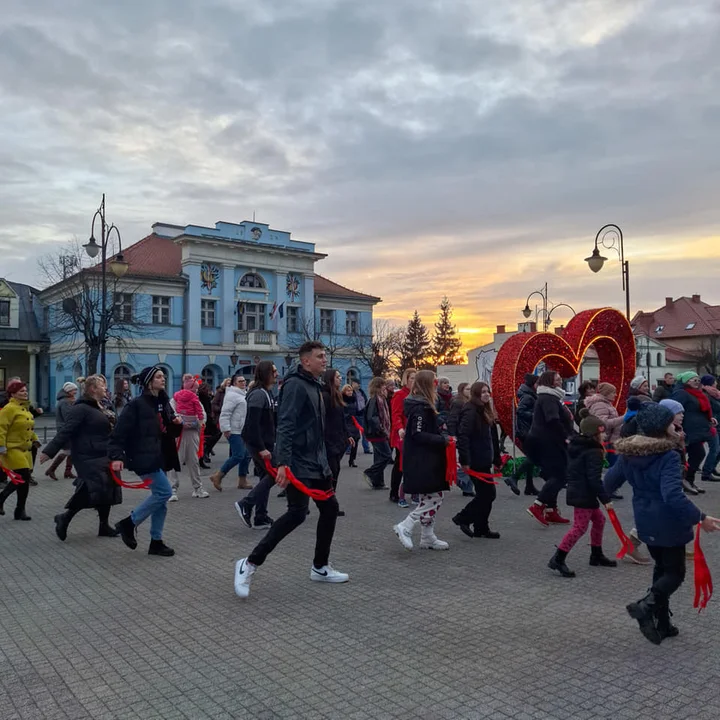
point(695, 456)
point(395, 477)
point(211, 440)
point(669, 572)
point(295, 516)
point(79, 501)
point(353, 451)
point(22, 491)
point(477, 511)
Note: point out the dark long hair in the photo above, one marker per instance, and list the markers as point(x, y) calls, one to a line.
point(336, 396)
point(476, 391)
point(547, 379)
point(264, 377)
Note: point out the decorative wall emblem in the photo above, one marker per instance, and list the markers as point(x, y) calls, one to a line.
point(209, 275)
point(292, 286)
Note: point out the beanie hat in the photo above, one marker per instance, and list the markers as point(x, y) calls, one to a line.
point(633, 403)
point(531, 380)
point(707, 380)
point(15, 386)
point(190, 383)
point(145, 376)
point(637, 382)
point(606, 389)
point(673, 406)
point(590, 425)
point(684, 377)
point(68, 387)
point(653, 420)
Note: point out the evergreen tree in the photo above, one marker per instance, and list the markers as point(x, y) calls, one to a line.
point(445, 343)
point(416, 345)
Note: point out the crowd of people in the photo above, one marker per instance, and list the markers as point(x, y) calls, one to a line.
point(296, 436)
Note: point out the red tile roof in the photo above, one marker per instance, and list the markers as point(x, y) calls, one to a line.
point(323, 286)
point(673, 354)
point(675, 316)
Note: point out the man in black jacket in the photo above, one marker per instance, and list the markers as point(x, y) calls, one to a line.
point(300, 447)
point(665, 388)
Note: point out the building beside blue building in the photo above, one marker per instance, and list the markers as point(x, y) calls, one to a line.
point(214, 301)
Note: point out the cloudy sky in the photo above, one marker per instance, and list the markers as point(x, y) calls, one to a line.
point(463, 147)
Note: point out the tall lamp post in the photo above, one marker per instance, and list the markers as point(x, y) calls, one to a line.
point(118, 266)
point(527, 312)
point(596, 260)
point(554, 307)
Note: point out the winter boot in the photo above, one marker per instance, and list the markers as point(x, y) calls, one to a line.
point(537, 510)
point(429, 541)
point(216, 479)
point(404, 531)
point(107, 530)
point(5, 494)
point(511, 482)
point(553, 516)
point(644, 611)
point(664, 626)
point(62, 522)
point(50, 472)
point(463, 525)
point(127, 530)
point(21, 515)
point(557, 562)
point(243, 483)
point(68, 469)
point(158, 547)
point(598, 559)
point(204, 463)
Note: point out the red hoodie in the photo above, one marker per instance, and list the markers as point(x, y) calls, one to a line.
point(188, 404)
point(397, 416)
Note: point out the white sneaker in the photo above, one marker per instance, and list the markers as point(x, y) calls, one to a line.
point(243, 575)
point(328, 574)
point(173, 498)
point(200, 493)
point(404, 535)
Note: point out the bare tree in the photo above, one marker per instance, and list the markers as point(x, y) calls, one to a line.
point(707, 355)
point(379, 347)
point(330, 337)
point(77, 315)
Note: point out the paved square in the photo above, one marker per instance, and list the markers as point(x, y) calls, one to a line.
point(90, 629)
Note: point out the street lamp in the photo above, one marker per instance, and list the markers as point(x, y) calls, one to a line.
point(596, 260)
point(118, 266)
point(554, 307)
point(234, 359)
point(544, 295)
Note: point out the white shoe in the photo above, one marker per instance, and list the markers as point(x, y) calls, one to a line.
point(200, 493)
point(328, 575)
point(243, 575)
point(404, 535)
point(429, 541)
point(173, 498)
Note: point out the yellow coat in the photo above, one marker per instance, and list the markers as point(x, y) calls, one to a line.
point(17, 435)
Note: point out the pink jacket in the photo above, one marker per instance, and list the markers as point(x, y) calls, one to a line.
point(599, 406)
point(188, 404)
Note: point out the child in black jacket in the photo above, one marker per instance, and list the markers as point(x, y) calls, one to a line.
point(584, 490)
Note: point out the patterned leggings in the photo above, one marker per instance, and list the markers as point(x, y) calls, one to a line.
point(581, 519)
point(427, 509)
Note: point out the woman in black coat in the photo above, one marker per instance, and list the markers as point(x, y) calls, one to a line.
point(350, 412)
point(527, 397)
point(86, 431)
point(479, 450)
point(336, 435)
point(424, 463)
point(551, 427)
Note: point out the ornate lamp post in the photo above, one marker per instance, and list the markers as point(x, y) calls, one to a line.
point(596, 260)
point(544, 295)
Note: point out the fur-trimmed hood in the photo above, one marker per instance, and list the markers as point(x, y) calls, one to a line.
point(642, 446)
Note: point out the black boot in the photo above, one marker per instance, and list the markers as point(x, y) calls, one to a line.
point(158, 547)
point(62, 521)
point(530, 488)
point(5, 494)
point(557, 562)
point(204, 463)
point(511, 482)
point(22, 515)
point(107, 530)
point(463, 525)
point(597, 557)
point(644, 612)
point(126, 528)
point(664, 626)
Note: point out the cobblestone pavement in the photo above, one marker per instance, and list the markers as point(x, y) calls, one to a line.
point(90, 629)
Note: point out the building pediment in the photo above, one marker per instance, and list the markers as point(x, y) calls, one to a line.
point(6, 291)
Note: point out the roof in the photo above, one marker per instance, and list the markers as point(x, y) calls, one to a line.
point(29, 328)
point(682, 318)
point(154, 256)
point(323, 286)
point(673, 354)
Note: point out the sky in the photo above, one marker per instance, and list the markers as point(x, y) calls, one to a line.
point(467, 148)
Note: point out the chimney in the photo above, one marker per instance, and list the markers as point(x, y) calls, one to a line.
point(559, 330)
point(668, 302)
point(500, 330)
point(696, 299)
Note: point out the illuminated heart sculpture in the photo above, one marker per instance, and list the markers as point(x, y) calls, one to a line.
point(606, 329)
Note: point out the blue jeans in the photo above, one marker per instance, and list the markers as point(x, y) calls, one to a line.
point(155, 505)
point(238, 456)
point(712, 457)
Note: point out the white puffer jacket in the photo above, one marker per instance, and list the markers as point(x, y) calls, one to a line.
point(234, 411)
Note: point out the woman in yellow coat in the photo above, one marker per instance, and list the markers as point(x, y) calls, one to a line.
point(17, 436)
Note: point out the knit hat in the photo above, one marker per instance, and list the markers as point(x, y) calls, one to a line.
point(653, 420)
point(590, 425)
point(707, 380)
point(15, 386)
point(145, 376)
point(637, 382)
point(606, 389)
point(531, 380)
point(191, 383)
point(673, 406)
point(69, 387)
point(633, 403)
point(684, 377)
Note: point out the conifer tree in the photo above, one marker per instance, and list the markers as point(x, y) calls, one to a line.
point(445, 343)
point(416, 345)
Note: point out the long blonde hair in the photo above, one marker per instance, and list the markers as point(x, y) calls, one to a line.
point(425, 387)
point(376, 385)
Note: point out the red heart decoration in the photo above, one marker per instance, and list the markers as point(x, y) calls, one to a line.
point(606, 329)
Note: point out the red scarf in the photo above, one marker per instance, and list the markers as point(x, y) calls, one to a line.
point(702, 398)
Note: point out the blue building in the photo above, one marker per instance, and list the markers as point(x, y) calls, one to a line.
point(214, 301)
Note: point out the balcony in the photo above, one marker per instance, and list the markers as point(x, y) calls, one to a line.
point(256, 340)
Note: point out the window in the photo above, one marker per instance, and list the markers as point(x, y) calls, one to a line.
point(351, 323)
point(207, 313)
point(251, 316)
point(327, 320)
point(208, 376)
point(122, 372)
point(4, 313)
point(647, 358)
point(123, 307)
point(293, 319)
point(659, 359)
point(160, 310)
point(659, 329)
point(690, 326)
point(353, 375)
point(251, 280)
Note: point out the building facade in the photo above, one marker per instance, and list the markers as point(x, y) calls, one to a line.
point(215, 301)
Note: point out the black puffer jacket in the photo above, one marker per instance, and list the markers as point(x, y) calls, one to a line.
point(259, 429)
point(336, 436)
point(584, 476)
point(300, 438)
point(144, 437)
point(551, 426)
point(524, 413)
point(424, 461)
point(350, 412)
point(453, 417)
point(86, 431)
point(478, 444)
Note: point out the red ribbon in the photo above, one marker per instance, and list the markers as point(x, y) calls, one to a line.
point(626, 544)
point(358, 426)
point(609, 448)
point(201, 446)
point(703, 580)
point(142, 485)
point(310, 492)
point(451, 465)
point(14, 477)
point(484, 477)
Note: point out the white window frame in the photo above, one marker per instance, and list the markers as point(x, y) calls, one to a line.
point(352, 322)
point(252, 288)
point(5, 303)
point(293, 311)
point(208, 306)
point(161, 306)
point(258, 313)
point(123, 303)
point(327, 323)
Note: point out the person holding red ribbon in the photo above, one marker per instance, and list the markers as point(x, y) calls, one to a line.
point(424, 463)
point(17, 435)
point(300, 453)
point(398, 421)
point(479, 449)
point(664, 515)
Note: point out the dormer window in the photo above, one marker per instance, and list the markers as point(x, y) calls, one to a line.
point(690, 326)
point(252, 280)
point(659, 329)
